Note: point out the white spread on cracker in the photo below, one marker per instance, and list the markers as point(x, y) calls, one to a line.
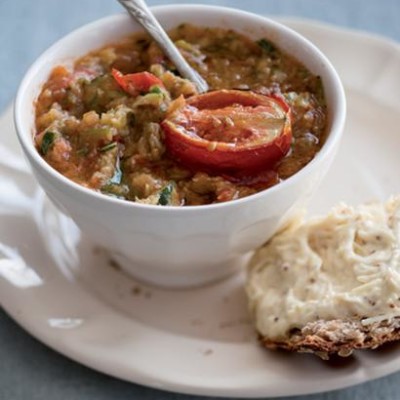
point(345, 265)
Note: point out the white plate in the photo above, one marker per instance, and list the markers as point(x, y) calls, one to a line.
point(194, 341)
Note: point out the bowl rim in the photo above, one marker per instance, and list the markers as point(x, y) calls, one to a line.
point(334, 135)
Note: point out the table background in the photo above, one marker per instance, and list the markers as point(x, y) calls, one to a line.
point(28, 369)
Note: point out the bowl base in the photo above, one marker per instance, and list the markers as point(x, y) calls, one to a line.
point(179, 279)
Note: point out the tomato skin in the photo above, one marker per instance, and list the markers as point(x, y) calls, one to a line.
point(137, 83)
point(221, 157)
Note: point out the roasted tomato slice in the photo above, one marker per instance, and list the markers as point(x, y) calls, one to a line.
point(137, 83)
point(228, 131)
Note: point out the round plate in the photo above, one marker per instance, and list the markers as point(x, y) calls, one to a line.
point(67, 293)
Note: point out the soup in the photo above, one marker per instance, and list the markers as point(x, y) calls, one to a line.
point(101, 122)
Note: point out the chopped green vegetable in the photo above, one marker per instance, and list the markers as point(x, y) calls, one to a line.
point(183, 44)
point(165, 195)
point(99, 92)
point(47, 141)
point(155, 89)
point(266, 45)
point(93, 137)
point(108, 147)
point(114, 190)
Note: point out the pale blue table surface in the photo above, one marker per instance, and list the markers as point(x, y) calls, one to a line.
point(28, 369)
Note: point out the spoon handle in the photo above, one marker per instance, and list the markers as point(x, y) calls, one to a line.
point(141, 13)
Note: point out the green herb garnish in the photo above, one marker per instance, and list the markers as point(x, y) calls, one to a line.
point(165, 195)
point(108, 147)
point(266, 45)
point(47, 142)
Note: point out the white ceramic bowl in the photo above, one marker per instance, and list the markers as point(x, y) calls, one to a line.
point(189, 245)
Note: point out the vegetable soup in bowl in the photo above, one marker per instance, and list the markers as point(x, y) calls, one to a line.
point(180, 186)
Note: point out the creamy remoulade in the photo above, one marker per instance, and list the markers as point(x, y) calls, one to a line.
point(345, 265)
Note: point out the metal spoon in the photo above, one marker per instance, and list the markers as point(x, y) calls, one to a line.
point(141, 13)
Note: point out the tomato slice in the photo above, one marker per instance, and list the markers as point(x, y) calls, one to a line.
point(228, 131)
point(137, 83)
